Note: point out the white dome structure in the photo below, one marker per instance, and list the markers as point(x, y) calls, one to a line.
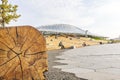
point(65, 28)
point(62, 28)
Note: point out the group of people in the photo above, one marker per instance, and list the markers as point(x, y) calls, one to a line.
point(63, 47)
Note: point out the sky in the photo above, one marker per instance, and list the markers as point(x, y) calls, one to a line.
point(97, 16)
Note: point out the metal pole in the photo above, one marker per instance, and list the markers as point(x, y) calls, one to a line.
point(86, 35)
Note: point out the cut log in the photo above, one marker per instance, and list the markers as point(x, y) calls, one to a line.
point(22, 54)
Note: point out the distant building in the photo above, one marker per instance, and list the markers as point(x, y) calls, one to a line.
point(66, 29)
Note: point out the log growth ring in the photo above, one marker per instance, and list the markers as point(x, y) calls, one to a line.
point(22, 54)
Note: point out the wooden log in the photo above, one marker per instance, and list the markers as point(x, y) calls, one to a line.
point(22, 54)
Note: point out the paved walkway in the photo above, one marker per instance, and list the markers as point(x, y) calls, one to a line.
point(100, 62)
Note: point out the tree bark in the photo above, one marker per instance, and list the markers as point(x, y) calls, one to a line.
point(22, 54)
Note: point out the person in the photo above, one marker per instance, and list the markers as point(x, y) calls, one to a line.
point(84, 44)
point(61, 45)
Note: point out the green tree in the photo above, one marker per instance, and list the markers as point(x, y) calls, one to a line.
point(7, 12)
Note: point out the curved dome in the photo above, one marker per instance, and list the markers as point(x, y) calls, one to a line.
point(62, 28)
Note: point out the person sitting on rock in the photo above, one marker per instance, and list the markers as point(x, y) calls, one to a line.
point(84, 44)
point(61, 45)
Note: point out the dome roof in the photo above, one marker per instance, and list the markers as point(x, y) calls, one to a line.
point(62, 28)
point(66, 28)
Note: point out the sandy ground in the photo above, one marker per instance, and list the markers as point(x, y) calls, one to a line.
point(52, 42)
point(57, 74)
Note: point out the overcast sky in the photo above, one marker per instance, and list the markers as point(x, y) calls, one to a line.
point(97, 16)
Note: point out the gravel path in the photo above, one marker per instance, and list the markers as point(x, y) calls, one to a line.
point(57, 74)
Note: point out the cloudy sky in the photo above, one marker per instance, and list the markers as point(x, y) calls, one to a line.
point(97, 16)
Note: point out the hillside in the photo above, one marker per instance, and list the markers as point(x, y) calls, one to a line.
point(53, 42)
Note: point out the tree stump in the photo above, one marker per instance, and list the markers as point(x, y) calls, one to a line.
point(22, 54)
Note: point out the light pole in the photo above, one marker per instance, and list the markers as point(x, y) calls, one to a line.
point(86, 35)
